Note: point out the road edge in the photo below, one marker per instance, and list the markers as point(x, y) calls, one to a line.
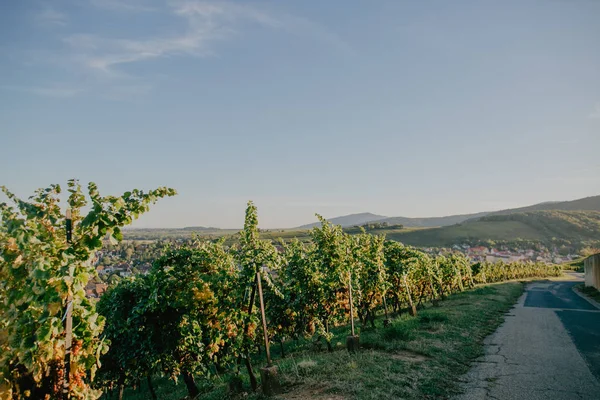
point(589, 299)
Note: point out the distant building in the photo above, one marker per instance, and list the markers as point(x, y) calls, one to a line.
point(504, 256)
point(479, 250)
point(95, 290)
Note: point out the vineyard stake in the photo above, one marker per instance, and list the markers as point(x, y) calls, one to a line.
point(268, 375)
point(351, 307)
point(264, 319)
point(386, 321)
point(68, 316)
point(352, 341)
point(460, 284)
point(247, 362)
point(413, 309)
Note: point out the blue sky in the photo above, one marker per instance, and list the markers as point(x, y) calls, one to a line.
point(405, 108)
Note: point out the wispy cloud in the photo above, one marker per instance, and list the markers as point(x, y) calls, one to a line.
point(122, 5)
point(201, 12)
point(204, 24)
point(102, 54)
point(199, 26)
point(595, 114)
point(51, 17)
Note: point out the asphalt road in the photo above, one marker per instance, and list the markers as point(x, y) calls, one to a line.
point(547, 348)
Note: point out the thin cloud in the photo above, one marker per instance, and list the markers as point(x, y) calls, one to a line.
point(51, 17)
point(122, 5)
point(205, 23)
point(202, 12)
point(101, 54)
point(202, 24)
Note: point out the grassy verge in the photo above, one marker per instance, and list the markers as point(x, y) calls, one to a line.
point(589, 291)
point(413, 358)
point(575, 265)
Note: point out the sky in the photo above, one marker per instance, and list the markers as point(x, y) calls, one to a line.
point(399, 108)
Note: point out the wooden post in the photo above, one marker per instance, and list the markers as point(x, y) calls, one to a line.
point(351, 306)
point(264, 319)
point(460, 283)
point(68, 318)
point(470, 271)
point(434, 293)
point(268, 375)
point(352, 341)
point(413, 309)
point(386, 321)
point(247, 363)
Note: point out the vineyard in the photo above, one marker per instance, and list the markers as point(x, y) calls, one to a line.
point(204, 309)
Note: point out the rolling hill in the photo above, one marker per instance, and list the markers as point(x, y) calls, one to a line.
point(425, 222)
point(576, 221)
point(586, 204)
point(348, 220)
point(429, 222)
point(541, 226)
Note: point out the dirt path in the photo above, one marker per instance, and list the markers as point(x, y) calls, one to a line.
point(548, 348)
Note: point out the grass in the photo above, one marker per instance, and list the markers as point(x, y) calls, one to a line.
point(575, 265)
point(413, 358)
point(165, 389)
point(589, 291)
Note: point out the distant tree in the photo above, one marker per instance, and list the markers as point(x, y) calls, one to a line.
point(129, 253)
point(589, 251)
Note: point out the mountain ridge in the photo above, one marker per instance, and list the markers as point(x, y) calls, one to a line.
point(590, 203)
point(545, 226)
point(348, 220)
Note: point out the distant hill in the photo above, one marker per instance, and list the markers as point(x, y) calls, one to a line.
point(586, 204)
point(425, 222)
point(348, 220)
point(542, 226)
point(200, 228)
point(429, 222)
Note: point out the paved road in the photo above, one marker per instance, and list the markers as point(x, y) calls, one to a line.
point(547, 348)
